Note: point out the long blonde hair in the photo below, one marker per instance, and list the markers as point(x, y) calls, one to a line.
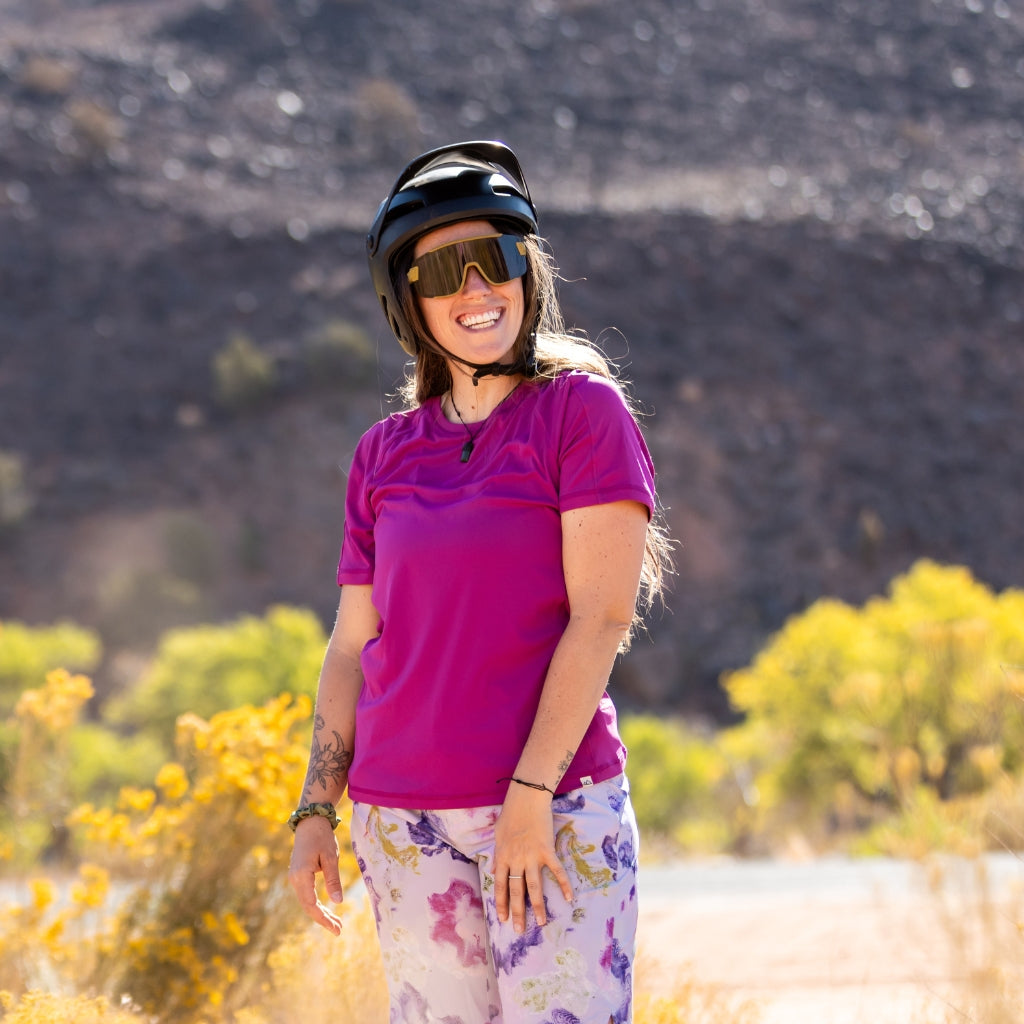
point(555, 351)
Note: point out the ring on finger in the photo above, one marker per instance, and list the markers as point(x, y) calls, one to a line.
point(512, 878)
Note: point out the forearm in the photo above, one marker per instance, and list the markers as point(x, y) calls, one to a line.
point(524, 841)
point(576, 678)
point(334, 729)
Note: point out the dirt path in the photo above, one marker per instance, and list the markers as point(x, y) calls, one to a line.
point(837, 942)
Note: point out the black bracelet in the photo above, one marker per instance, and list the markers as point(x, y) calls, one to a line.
point(532, 785)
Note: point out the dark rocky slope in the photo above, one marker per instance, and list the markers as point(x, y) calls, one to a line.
point(802, 223)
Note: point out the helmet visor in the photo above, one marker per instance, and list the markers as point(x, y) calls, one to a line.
point(442, 271)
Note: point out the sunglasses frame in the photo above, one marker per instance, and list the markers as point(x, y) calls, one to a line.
point(413, 274)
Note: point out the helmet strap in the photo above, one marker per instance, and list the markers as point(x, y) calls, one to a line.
point(527, 365)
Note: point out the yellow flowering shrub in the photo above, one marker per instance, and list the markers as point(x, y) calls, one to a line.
point(184, 896)
point(38, 801)
point(47, 934)
point(28, 653)
point(209, 848)
point(861, 713)
point(55, 706)
point(47, 1008)
point(316, 978)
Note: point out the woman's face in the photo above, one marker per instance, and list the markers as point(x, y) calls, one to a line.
point(481, 322)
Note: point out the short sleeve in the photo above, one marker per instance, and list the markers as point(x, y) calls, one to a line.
point(358, 551)
point(603, 456)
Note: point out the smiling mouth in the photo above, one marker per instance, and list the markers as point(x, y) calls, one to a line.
point(480, 321)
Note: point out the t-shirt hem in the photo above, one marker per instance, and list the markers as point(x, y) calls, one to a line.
point(492, 798)
point(354, 579)
point(584, 499)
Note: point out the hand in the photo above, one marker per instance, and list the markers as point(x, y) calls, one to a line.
point(316, 849)
point(524, 844)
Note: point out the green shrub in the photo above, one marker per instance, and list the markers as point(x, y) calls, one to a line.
point(38, 794)
point(251, 546)
point(15, 497)
point(137, 605)
point(103, 761)
point(244, 375)
point(673, 775)
point(193, 554)
point(341, 351)
point(206, 669)
point(29, 653)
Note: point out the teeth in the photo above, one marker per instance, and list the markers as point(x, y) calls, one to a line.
point(480, 319)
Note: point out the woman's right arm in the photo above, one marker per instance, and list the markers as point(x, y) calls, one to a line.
point(334, 728)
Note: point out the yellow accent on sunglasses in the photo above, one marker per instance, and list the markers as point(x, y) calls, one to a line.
point(442, 271)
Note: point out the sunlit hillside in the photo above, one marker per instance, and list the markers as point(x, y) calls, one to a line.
point(797, 225)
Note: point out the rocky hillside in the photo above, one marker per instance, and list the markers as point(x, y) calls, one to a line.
point(796, 225)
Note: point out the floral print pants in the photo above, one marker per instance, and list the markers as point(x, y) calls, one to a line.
point(447, 957)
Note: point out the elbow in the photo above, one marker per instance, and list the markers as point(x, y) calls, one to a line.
point(610, 629)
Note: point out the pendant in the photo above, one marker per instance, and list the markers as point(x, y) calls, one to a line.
point(467, 450)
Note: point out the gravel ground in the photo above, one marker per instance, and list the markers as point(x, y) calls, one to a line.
point(836, 941)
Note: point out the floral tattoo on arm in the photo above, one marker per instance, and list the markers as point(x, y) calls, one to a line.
point(328, 761)
point(563, 765)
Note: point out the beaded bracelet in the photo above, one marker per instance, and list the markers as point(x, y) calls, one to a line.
point(323, 810)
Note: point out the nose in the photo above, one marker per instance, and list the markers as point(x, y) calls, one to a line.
point(475, 281)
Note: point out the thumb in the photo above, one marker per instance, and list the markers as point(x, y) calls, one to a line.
point(332, 879)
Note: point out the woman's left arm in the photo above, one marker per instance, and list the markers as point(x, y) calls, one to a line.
point(602, 555)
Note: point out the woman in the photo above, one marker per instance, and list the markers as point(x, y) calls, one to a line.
point(497, 534)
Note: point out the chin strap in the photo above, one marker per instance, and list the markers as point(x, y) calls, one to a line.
point(527, 366)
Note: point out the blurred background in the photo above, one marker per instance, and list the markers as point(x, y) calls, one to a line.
point(795, 225)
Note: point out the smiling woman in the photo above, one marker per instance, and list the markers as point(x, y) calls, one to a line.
point(499, 535)
point(479, 320)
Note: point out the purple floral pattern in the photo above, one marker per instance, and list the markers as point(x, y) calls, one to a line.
point(448, 958)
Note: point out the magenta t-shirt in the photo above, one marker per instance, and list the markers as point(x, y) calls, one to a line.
point(465, 559)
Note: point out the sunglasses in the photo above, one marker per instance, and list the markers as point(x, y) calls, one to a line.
point(442, 271)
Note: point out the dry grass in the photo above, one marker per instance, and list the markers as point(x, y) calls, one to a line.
point(985, 928)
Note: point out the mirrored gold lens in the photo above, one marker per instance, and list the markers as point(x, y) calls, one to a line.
point(442, 271)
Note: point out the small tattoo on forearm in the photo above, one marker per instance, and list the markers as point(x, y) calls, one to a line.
point(563, 765)
point(328, 762)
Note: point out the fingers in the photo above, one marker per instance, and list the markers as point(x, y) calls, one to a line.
point(562, 878)
point(517, 887)
point(523, 847)
point(313, 853)
point(501, 899)
point(304, 884)
point(515, 891)
point(510, 899)
point(322, 915)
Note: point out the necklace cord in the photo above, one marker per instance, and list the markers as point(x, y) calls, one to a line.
point(467, 448)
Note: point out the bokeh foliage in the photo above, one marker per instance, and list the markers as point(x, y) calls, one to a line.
point(182, 893)
point(895, 726)
point(860, 714)
point(205, 669)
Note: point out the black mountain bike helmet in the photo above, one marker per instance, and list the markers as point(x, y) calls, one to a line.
point(463, 181)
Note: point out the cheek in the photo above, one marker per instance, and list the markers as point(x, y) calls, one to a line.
point(520, 304)
point(432, 316)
